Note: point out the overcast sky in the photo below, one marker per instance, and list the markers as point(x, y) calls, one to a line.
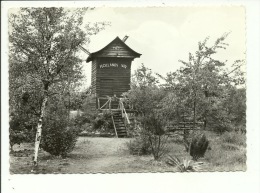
point(165, 35)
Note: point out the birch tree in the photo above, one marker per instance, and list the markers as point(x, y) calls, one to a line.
point(43, 49)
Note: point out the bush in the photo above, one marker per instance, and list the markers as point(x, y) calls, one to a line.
point(80, 121)
point(139, 146)
point(16, 137)
point(198, 146)
point(158, 145)
point(103, 121)
point(152, 132)
point(20, 131)
point(58, 138)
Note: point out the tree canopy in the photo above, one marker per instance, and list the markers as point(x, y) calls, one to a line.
point(201, 90)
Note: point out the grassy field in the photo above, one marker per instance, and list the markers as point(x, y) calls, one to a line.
point(110, 155)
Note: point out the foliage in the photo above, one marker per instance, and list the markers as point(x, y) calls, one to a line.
point(81, 120)
point(152, 133)
point(158, 145)
point(58, 138)
point(236, 105)
point(145, 99)
point(146, 96)
point(103, 121)
point(44, 43)
point(21, 129)
point(186, 165)
point(198, 146)
point(18, 137)
point(143, 77)
point(202, 88)
point(76, 99)
point(59, 135)
point(139, 146)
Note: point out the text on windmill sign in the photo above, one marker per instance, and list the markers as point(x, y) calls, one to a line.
point(112, 65)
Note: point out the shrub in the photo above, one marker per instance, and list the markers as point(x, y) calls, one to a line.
point(20, 131)
point(81, 121)
point(152, 130)
point(16, 137)
point(139, 146)
point(198, 146)
point(158, 145)
point(103, 121)
point(58, 138)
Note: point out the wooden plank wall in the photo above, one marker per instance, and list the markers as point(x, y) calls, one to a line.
point(112, 76)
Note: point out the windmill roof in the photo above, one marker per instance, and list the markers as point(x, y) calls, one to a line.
point(117, 48)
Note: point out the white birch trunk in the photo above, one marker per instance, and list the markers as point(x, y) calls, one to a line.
point(39, 129)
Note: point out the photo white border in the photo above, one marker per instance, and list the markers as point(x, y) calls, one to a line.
point(213, 182)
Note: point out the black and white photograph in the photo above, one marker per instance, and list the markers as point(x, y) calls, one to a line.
point(124, 89)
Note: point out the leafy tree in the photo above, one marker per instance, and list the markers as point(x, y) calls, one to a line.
point(144, 94)
point(43, 47)
point(200, 88)
point(235, 104)
point(143, 77)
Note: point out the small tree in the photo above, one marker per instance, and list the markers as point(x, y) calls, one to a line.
point(146, 98)
point(154, 132)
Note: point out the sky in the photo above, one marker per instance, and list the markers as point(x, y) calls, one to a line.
point(166, 35)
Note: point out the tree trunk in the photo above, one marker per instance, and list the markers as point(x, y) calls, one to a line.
point(39, 127)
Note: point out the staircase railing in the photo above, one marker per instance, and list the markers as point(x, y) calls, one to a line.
point(123, 111)
point(108, 102)
point(114, 125)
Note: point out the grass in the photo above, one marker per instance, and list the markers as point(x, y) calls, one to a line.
point(227, 152)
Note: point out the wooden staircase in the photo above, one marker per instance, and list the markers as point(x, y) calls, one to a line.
point(119, 125)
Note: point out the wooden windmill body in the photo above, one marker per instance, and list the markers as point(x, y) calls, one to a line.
point(111, 70)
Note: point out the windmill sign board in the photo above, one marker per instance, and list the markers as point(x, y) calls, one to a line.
point(111, 69)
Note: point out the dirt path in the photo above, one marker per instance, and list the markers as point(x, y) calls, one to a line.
point(100, 154)
point(91, 155)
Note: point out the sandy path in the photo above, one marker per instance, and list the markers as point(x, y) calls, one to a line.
point(91, 155)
